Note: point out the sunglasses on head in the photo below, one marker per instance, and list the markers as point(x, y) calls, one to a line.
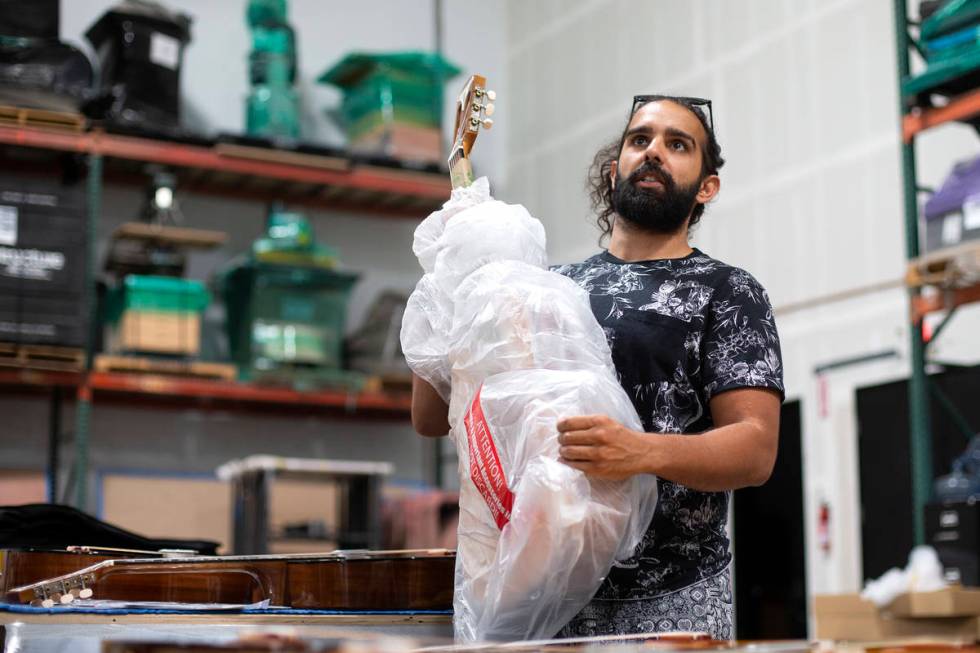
point(640, 100)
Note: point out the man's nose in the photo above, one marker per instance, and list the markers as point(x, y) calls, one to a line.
point(654, 151)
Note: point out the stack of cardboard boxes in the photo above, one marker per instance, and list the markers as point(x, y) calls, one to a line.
point(950, 614)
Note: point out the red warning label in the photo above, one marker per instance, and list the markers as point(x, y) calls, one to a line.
point(486, 471)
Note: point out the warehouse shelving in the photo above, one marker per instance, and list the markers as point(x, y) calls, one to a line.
point(927, 293)
point(335, 182)
point(228, 169)
point(205, 391)
point(139, 388)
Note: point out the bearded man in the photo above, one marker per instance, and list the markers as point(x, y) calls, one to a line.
point(696, 349)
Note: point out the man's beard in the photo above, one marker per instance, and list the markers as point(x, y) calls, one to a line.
point(661, 210)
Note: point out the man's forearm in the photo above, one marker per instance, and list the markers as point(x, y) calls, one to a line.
point(725, 458)
point(739, 452)
point(430, 414)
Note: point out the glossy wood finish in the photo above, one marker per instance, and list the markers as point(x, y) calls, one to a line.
point(338, 581)
point(652, 642)
point(422, 583)
point(25, 567)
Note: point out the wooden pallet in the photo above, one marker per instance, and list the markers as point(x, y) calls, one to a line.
point(948, 267)
point(42, 118)
point(288, 157)
point(42, 357)
point(179, 236)
point(162, 366)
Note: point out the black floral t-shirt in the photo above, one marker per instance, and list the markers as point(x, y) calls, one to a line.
point(681, 331)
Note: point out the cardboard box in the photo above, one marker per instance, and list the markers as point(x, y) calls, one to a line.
point(947, 602)
point(19, 487)
point(849, 617)
point(401, 141)
point(159, 332)
point(187, 507)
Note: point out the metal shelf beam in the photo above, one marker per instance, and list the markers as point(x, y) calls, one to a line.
point(963, 107)
point(331, 182)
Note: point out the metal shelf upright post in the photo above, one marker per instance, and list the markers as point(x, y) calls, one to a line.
point(83, 405)
point(920, 427)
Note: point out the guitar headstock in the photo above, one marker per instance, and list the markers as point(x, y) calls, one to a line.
point(473, 110)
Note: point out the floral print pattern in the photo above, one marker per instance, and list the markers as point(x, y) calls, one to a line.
point(705, 606)
point(681, 331)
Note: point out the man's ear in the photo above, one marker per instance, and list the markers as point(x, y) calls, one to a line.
point(612, 173)
point(710, 186)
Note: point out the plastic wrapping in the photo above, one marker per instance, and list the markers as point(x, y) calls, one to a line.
point(425, 334)
point(514, 348)
point(924, 573)
point(529, 578)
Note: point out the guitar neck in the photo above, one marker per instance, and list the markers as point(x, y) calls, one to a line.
point(460, 170)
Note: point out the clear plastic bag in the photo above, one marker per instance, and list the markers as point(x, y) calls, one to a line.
point(426, 324)
point(486, 233)
point(559, 531)
point(521, 350)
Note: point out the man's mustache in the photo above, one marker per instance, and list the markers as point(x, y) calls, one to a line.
point(649, 169)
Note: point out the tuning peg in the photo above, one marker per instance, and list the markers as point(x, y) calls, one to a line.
point(487, 123)
point(488, 108)
point(81, 593)
point(491, 95)
point(67, 598)
point(47, 603)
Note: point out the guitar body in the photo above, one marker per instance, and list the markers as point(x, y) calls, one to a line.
point(409, 583)
point(389, 580)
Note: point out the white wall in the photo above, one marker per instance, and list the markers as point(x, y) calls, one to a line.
point(214, 86)
point(806, 111)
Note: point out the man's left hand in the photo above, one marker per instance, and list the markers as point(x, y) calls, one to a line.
point(602, 447)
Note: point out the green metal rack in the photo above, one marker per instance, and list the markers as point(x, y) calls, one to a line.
point(917, 116)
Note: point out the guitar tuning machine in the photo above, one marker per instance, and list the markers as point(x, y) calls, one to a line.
point(487, 123)
point(487, 108)
point(83, 591)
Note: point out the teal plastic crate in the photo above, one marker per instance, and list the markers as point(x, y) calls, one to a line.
point(953, 16)
point(952, 75)
point(384, 88)
point(156, 294)
point(286, 321)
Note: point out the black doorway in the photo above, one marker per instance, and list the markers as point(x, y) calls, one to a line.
point(884, 454)
point(770, 572)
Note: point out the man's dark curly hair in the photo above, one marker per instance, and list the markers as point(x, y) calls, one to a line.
point(600, 186)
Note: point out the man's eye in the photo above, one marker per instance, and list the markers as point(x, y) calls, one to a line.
point(680, 146)
point(639, 140)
